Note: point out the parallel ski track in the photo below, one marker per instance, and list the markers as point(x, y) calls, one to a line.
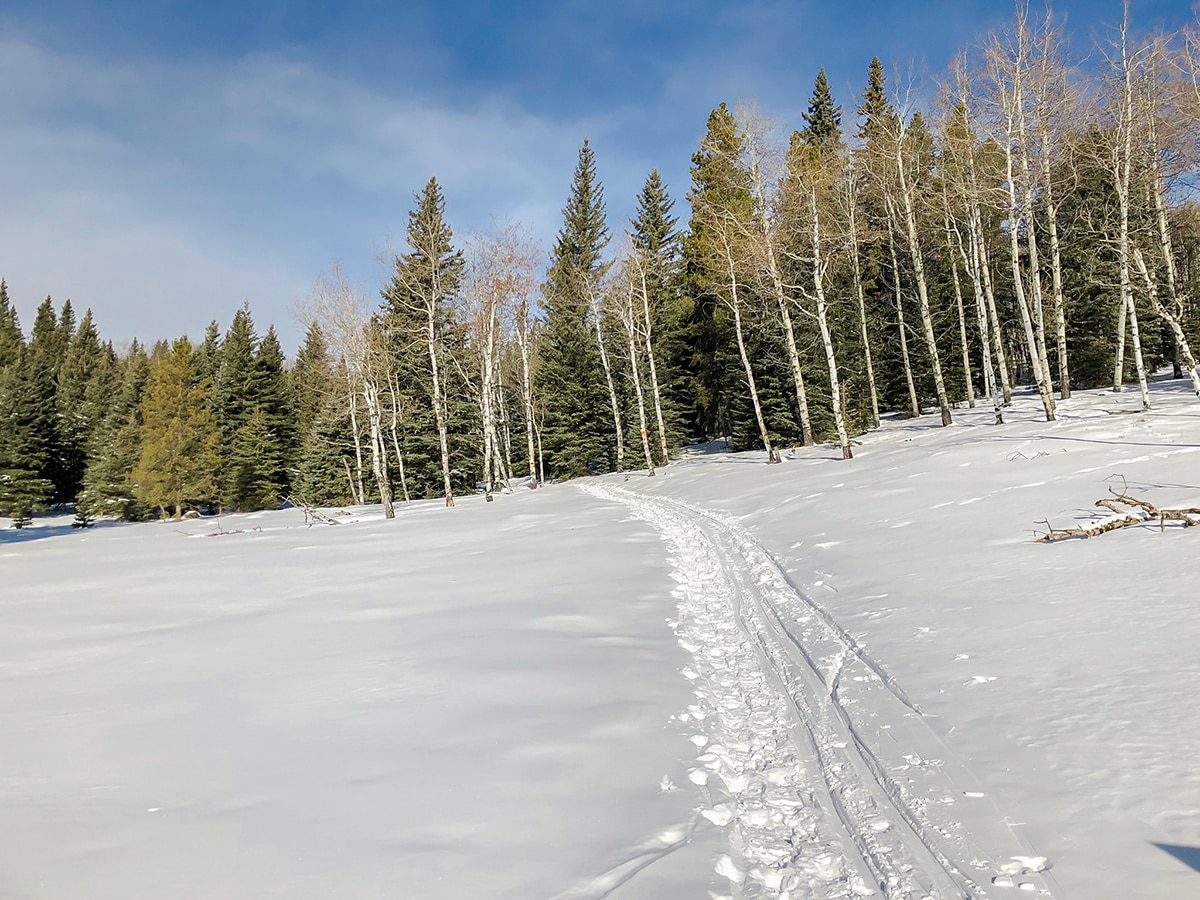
point(733, 587)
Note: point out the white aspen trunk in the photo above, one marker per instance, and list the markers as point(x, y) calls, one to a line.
point(503, 425)
point(835, 388)
point(395, 392)
point(913, 397)
point(541, 458)
point(527, 401)
point(649, 344)
point(1171, 319)
point(378, 448)
point(918, 259)
point(736, 307)
point(612, 389)
point(1014, 220)
point(1035, 269)
point(350, 479)
point(629, 321)
point(781, 298)
point(789, 333)
point(985, 271)
point(1123, 239)
point(1119, 363)
point(1056, 282)
point(439, 409)
point(962, 318)
point(1172, 312)
point(862, 302)
point(487, 392)
point(360, 495)
point(981, 321)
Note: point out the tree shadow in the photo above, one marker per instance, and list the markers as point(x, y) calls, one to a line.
point(36, 532)
point(1189, 856)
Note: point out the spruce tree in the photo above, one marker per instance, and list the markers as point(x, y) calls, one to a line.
point(823, 121)
point(22, 489)
point(875, 111)
point(655, 234)
point(179, 460)
point(570, 381)
point(418, 318)
point(116, 445)
point(719, 182)
point(84, 389)
point(38, 389)
point(12, 341)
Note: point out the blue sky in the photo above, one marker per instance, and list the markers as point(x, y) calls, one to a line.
point(162, 162)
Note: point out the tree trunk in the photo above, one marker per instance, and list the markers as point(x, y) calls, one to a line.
point(657, 394)
point(985, 341)
point(835, 388)
point(1014, 220)
point(908, 372)
point(360, 495)
point(612, 389)
point(1172, 320)
point(736, 307)
point(394, 390)
point(439, 408)
point(862, 307)
point(918, 259)
point(969, 382)
point(370, 393)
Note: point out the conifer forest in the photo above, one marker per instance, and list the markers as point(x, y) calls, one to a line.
point(1023, 220)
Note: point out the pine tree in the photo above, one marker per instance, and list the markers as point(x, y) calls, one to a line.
point(875, 110)
point(719, 182)
point(12, 341)
point(823, 121)
point(38, 391)
point(22, 489)
point(570, 380)
point(655, 236)
point(85, 381)
point(418, 319)
point(179, 457)
point(116, 445)
point(249, 382)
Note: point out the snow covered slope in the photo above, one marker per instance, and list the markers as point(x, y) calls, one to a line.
point(821, 679)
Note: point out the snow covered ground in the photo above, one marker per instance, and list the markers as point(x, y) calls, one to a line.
point(821, 679)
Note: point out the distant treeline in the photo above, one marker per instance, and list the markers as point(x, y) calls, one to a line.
point(1031, 225)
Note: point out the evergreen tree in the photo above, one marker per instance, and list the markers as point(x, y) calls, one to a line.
point(85, 382)
point(249, 383)
point(875, 111)
point(654, 233)
point(22, 489)
point(311, 379)
point(570, 380)
point(719, 182)
point(823, 121)
point(38, 391)
point(418, 319)
point(179, 457)
point(116, 445)
point(12, 341)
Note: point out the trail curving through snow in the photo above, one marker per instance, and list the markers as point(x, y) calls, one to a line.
point(829, 780)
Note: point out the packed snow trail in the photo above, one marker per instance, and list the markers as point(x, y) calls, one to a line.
point(830, 781)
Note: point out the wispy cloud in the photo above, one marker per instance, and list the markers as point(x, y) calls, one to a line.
point(163, 195)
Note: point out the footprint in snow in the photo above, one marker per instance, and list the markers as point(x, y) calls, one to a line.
point(980, 679)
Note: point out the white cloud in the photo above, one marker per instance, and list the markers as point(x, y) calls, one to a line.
point(162, 195)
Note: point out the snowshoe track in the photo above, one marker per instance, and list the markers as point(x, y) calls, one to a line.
point(830, 781)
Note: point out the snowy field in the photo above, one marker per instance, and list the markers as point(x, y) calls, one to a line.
point(821, 679)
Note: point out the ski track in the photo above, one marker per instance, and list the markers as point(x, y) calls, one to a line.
point(829, 780)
